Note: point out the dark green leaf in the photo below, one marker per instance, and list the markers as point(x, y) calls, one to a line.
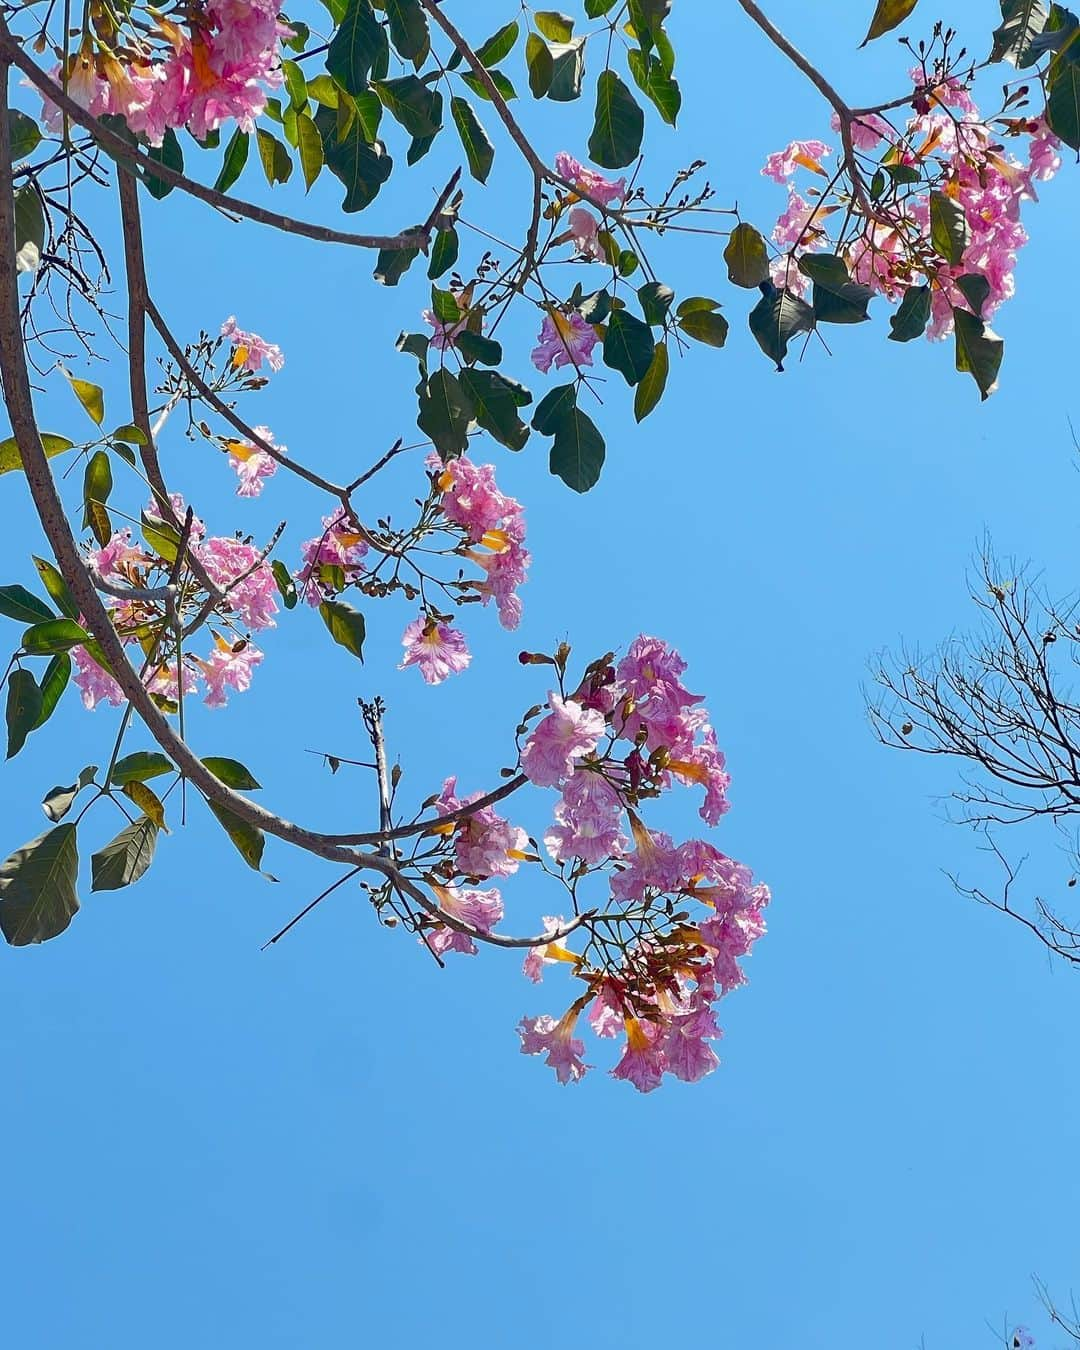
point(24, 133)
point(474, 347)
point(53, 684)
point(169, 154)
point(412, 103)
point(139, 767)
point(499, 45)
point(124, 860)
point(775, 320)
point(703, 325)
point(577, 454)
point(1063, 102)
point(17, 603)
point(496, 401)
point(232, 773)
point(950, 233)
point(97, 484)
point(912, 316)
point(651, 389)
point(474, 139)
point(248, 840)
point(836, 298)
point(346, 625)
point(646, 18)
point(295, 83)
point(276, 161)
point(694, 303)
point(444, 413)
point(978, 351)
point(656, 299)
point(975, 288)
point(356, 47)
point(444, 305)
point(888, 15)
point(58, 801)
point(29, 218)
point(37, 887)
point(656, 84)
point(409, 30)
point(23, 709)
point(1022, 22)
point(746, 257)
point(393, 263)
point(444, 253)
point(9, 450)
point(55, 635)
point(56, 586)
point(595, 8)
point(567, 70)
point(540, 65)
point(309, 144)
point(131, 434)
point(618, 124)
point(498, 79)
point(360, 166)
point(285, 584)
point(554, 408)
point(628, 346)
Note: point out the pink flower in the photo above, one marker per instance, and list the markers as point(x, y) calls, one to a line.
point(484, 843)
point(565, 339)
point(250, 350)
point(642, 1061)
point(602, 190)
point(95, 684)
point(793, 228)
point(435, 648)
point(606, 1015)
point(445, 334)
point(584, 228)
point(470, 498)
point(866, 131)
point(228, 668)
point(806, 154)
point(251, 464)
point(113, 561)
point(587, 816)
point(655, 865)
point(559, 741)
point(339, 546)
point(537, 958)
point(481, 910)
point(249, 581)
point(543, 1035)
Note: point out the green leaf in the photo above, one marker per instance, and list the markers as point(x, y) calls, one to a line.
point(628, 346)
point(775, 320)
point(618, 124)
point(148, 802)
point(474, 139)
point(498, 79)
point(567, 70)
point(1022, 22)
point(356, 47)
point(285, 584)
point(29, 218)
point(97, 484)
point(499, 45)
point(444, 253)
point(978, 351)
point(628, 263)
point(975, 289)
point(651, 389)
point(24, 134)
point(139, 767)
point(703, 325)
point(232, 773)
point(1063, 102)
point(360, 166)
point(475, 347)
point(412, 103)
point(554, 408)
point(276, 161)
point(310, 146)
point(444, 305)
point(577, 454)
point(747, 257)
point(836, 298)
point(37, 887)
point(444, 413)
point(346, 625)
point(693, 303)
point(57, 588)
point(248, 840)
point(409, 34)
point(595, 8)
point(554, 25)
point(656, 299)
point(131, 434)
point(90, 396)
point(23, 709)
point(496, 401)
point(53, 684)
point(540, 65)
point(124, 859)
point(295, 84)
point(323, 90)
point(392, 264)
point(912, 316)
point(950, 233)
point(656, 84)
point(169, 154)
point(646, 19)
point(58, 801)
point(161, 537)
point(888, 15)
point(52, 445)
point(17, 603)
point(54, 635)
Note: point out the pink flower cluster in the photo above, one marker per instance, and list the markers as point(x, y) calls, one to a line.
point(481, 910)
point(588, 182)
point(249, 349)
point(956, 153)
point(340, 546)
point(215, 68)
point(251, 465)
point(233, 566)
point(485, 845)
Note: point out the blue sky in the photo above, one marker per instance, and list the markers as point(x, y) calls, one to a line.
point(334, 1143)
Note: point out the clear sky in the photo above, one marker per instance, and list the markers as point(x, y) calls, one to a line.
point(335, 1144)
